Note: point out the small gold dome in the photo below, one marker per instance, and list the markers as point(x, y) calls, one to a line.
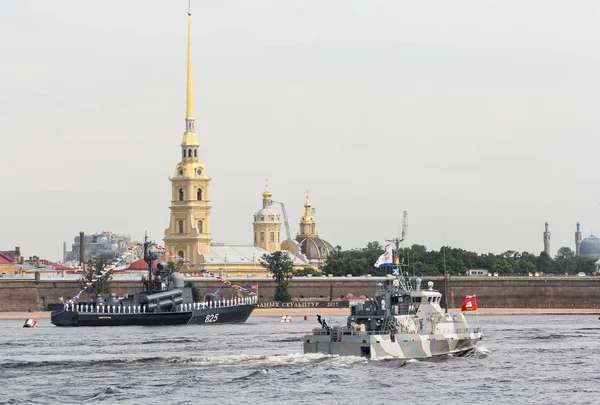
point(267, 194)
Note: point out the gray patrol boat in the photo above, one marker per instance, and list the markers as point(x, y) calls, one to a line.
point(401, 321)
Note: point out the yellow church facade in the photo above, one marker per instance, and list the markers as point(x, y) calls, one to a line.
point(189, 233)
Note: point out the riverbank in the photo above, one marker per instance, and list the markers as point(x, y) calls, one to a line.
point(300, 312)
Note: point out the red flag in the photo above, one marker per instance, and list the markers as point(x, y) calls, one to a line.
point(469, 303)
point(254, 287)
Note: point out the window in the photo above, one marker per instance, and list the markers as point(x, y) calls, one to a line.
point(262, 236)
point(199, 194)
point(195, 153)
point(183, 154)
point(189, 152)
point(278, 239)
point(180, 194)
point(255, 237)
point(180, 254)
point(199, 226)
point(272, 237)
point(180, 224)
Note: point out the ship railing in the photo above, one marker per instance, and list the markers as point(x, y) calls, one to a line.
point(323, 332)
point(137, 309)
point(456, 330)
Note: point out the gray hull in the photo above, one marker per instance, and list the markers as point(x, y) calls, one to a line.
point(401, 346)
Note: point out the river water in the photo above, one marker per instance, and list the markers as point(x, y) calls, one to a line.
point(522, 360)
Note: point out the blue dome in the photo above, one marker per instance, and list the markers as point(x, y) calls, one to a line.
point(590, 247)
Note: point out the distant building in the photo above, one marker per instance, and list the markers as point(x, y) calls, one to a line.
point(7, 265)
point(478, 272)
point(188, 237)
point(590, 247)
point(13, 254)
point(577, 240)
point(267, 225)
point(308, 241)
point(546, 239)
point(106, 245)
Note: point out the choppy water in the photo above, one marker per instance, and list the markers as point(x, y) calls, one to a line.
point(522, 360)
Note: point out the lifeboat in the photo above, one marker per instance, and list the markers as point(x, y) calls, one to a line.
point(30, 323)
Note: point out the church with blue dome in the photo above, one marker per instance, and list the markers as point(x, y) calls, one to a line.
point(588, 247)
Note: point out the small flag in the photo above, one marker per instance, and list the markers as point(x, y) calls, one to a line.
point(386, 258)
point(396, 261)
point(469, 303)
point(254, 286)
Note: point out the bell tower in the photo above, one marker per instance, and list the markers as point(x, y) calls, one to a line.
point(267, 225)
point(188, 234)
point(307, 222)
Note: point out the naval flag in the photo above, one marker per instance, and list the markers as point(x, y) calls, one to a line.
point(386, 258)
point(469, 303)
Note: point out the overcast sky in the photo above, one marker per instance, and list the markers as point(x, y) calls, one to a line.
point(478, 118)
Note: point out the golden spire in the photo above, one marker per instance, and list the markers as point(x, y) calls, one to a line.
point(189, 105)
point(307, 218)
point(189, 138)
point(267, 194)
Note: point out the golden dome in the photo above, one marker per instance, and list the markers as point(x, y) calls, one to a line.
point(267, 194)
point(307, 218)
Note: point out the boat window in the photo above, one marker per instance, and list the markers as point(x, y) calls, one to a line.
point(416, 299)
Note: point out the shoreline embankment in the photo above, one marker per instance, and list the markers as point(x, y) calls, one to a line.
point(301, 312)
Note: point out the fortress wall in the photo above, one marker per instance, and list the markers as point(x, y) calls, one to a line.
point(23, 295)
point(492, 292)
point(19, 296)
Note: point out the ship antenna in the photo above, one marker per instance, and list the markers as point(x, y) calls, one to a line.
point(445, 278)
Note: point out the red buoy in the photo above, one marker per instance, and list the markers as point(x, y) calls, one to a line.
point(306, 317)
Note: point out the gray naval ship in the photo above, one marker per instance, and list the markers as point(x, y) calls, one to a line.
point(401, 321)
point(164, 300)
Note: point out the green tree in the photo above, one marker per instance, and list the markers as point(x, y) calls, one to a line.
point(584, 265)
point(174, 267)
point(281, 267)
point(545, 264)
point(94, 273)
point(525, 266)
point(565, 260)
point(306, 271)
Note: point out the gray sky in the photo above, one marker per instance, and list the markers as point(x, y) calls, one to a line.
point(478, 118)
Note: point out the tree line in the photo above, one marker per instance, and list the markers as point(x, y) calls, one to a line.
point(420, 261)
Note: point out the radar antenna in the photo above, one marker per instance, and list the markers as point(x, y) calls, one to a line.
point(397, 240)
